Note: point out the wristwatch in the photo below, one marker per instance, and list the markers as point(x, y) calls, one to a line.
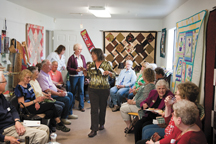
point(18, 121)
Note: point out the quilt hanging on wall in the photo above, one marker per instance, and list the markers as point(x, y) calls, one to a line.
point(35, 42)
point(138, 46)
point(189, 50)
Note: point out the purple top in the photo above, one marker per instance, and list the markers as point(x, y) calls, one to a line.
point(152, 97)
point(72, 64)
point(45, 81)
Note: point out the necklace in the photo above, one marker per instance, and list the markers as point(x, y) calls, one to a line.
point(185, 131)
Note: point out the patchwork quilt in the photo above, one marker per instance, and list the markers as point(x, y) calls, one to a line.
point(138, 46)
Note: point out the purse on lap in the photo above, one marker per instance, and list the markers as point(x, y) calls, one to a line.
point(27, 115)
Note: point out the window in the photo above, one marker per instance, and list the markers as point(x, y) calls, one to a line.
point(171, 48)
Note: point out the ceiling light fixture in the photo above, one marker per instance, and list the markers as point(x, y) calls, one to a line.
point(99, 11)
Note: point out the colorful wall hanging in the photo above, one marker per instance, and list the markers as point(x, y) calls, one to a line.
point(162, 43)
point(189, 50)
point(138, 46)
point(35, 43)
point(87, 40)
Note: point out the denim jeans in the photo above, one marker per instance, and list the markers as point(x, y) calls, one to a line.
point(59, 107)
point(77, 82)
point(68, 101)
point(149, 130)
point(129, 95)
point(117, 94)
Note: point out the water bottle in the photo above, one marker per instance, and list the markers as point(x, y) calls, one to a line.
point(27, 140)
point(53, 137)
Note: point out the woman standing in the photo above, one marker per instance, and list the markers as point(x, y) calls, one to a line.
point(75, 63)
point(58, 56)
point(98, 72)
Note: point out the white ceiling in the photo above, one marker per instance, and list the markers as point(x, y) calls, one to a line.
point(119, 9)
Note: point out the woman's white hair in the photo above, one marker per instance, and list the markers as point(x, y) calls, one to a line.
point(187, 111)
point(153, 66)
point(162, 82)
point(76, 46)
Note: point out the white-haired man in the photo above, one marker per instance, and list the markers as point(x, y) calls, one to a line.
point(11, 128)
point(126, 79)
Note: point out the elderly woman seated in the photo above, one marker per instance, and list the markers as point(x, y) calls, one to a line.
point(134, 104)
point(155, 102)
point(25, 94)
point(186, 90)
point(185, 115)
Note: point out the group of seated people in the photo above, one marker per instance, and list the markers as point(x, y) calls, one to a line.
point(153, 99)
point(148, 95)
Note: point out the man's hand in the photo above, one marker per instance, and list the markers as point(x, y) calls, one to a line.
point(37, 106)
point(20, 129)
point(12, 140)
point(120, 86)
point(130, 102)
point(62, 94)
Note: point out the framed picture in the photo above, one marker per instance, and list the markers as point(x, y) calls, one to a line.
point(162, 43)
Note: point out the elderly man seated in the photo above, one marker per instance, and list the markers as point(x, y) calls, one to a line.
point(56, 75)
point(125, 81)
point(66, 97)
point(11, 128)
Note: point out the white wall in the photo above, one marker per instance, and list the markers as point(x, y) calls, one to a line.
point(18, 16)
point(186, 10)
point(95, 27)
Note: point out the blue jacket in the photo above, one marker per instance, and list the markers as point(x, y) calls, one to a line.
point(129, 78)
point(8, 114)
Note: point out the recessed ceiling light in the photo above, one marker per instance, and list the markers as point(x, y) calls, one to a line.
point(99, 11)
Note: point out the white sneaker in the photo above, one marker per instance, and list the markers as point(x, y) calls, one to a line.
point(66, 121)
point(72, 116)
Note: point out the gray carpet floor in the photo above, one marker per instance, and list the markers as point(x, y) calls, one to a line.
point(112, 134)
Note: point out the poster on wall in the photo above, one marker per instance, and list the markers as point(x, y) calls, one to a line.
point(35, 43)
point(162, 43)
point(87, 40)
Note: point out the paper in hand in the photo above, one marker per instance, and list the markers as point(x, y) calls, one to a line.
point(101, 70)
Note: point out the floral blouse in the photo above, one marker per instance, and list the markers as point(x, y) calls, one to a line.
point(97, 79)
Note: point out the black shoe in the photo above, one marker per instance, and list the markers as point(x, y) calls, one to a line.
point(101, 127)
point(82, 109)
point(62, 128)
point(92, 133)
point(116, 108)
point(53, 129)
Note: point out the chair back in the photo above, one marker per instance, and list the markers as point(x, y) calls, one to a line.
point(14, 101)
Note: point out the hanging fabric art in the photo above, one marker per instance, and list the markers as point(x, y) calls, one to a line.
point(87, 40)
point(137, 46)
point(189, 50)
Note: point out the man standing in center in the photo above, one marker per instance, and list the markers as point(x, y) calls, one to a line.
point(125, 81)
point(60, 95)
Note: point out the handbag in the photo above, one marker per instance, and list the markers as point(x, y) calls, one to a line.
point(27, 115)
point(155, 137)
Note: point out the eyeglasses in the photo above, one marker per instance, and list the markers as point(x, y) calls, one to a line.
point(4, 82)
